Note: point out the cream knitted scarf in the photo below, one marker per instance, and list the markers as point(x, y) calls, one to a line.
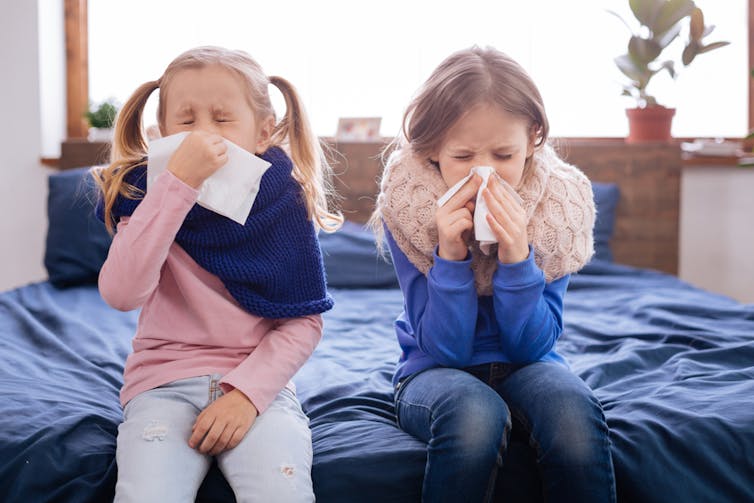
point(557, 198)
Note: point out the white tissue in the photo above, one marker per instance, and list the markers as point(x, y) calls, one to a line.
point(482, 231)
point(230, 191)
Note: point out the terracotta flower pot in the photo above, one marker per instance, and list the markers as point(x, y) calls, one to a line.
point(100, 134)
point(650, 124)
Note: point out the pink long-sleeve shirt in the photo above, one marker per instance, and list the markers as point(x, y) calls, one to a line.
point(189, 324)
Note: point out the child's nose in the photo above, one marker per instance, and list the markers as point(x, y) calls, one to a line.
point(208, 126)
point(491, 160)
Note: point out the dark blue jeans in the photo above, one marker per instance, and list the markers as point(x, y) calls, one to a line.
point(509, 433)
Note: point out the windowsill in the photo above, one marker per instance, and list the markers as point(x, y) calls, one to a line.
point(81, 152)
point(689, 160)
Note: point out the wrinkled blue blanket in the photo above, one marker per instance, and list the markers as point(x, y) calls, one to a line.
point(673, 366)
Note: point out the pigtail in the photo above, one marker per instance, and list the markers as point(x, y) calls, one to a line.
point(128, 151)
point(310, 167)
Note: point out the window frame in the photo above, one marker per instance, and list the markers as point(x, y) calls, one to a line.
point(77, 69)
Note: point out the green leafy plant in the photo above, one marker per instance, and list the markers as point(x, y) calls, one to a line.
point(660, 23)
point(103, 115)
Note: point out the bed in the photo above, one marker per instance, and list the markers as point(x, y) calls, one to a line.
point(672, 364)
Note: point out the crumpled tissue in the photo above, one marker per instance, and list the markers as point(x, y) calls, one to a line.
point(230, 191)
point(482, 231)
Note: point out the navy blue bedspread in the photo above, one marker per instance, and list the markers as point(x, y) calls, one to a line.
point(673, 366)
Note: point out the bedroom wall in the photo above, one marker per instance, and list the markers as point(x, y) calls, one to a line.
point(716, 238)
point(23, 191)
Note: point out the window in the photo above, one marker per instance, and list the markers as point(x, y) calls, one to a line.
point(367, 58)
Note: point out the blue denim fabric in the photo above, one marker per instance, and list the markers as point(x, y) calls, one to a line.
point(509, 433)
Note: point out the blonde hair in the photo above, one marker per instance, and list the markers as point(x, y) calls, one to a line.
point(310, 167)
point(464, 79)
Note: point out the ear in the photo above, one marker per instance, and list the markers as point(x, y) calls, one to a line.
point(264, 135)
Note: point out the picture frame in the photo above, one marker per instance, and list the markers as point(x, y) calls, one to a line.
point(358, 129)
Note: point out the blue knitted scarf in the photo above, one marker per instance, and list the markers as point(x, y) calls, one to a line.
point(272, 265)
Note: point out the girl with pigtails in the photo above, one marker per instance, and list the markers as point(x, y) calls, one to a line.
point(229, 312)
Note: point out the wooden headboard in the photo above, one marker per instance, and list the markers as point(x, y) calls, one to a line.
point(646, 227)
point(648, 175)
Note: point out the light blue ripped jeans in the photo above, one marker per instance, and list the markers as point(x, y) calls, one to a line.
point(155, 463)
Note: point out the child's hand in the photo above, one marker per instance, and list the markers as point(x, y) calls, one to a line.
point(507, 220)
point(223, 424)
point(455, 219)
point(199, 155)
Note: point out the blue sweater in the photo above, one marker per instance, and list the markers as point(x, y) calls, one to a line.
point(446, 324)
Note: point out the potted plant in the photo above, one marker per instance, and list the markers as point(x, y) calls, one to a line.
point(660, 23)
point(101, 120)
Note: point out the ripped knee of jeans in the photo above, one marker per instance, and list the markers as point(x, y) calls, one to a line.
point(154, 430)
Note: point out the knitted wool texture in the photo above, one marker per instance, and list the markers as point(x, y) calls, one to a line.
point(557, 198)
point(272, 265)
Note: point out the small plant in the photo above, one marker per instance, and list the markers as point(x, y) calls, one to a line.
point(660, 23)
point(103, 116)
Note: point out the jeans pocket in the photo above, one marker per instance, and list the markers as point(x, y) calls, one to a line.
point(398, 390)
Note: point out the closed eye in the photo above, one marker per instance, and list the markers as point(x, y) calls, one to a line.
point(503, 157)
point(462, 157)
point(187, 122)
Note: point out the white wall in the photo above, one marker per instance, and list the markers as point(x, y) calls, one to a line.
point(717, 233)
point(23, 189)
point(52, 75)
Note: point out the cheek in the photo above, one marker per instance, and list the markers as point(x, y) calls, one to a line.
point(245, 141)
point(243, 135)
point(513, 172)
point(453, 171)
point(173, 129)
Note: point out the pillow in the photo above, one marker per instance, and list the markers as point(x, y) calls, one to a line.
point(352, 260)
point(606, 196)
point(77, 242)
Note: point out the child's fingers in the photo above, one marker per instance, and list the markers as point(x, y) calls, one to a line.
point(453, 228)
point(201, 427)
point(457, 222)
point(460, 225)
point(496, 207)
point(215, 139)
point(498, 230)
point(220, 148)
point(501, 218)
point(223, 442)
point(466, 193)
point(508, 200)
point(236, 438)
point(509, 226)
point(212, 437)
point(504, 206)
point(507, 220)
